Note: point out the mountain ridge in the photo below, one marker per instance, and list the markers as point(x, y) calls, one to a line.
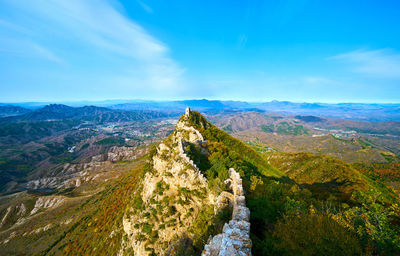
point(85, 113)
point(350, 111)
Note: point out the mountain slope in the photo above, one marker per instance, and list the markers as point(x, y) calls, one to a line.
point(10, 110)
point(176, 207)
point(325, 176)
point(152, 222)
point(172, 206)
point(177, 198)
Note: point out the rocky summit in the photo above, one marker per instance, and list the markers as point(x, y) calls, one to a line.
point(174, 194)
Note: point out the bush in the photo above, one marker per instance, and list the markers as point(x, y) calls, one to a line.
point(314, 234)
point(147, 228)
point(374, 221)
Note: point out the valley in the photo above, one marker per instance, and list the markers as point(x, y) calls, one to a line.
point(74, 186)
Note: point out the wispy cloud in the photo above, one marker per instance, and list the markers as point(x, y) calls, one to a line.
point(24, 48)
point(45, 53)
point(6, 25)
point(383, 63)
point(145, 6)
point(15, 41)
point(99, 26)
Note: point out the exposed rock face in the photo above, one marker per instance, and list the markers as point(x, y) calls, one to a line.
point(73, 175)
point(172, 196)
point(123, 153)
point(13, 213)
point(46, 202)
point(235, 238)
point(5, 216)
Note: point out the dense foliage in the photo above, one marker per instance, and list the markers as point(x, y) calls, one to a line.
point(316, 211)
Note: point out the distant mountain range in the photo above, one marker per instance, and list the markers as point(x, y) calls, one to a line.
point(353, 111)
point(10, 110)
point(86, 113)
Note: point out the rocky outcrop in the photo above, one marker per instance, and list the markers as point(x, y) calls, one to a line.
point(5, 216)
point(173, 194)
point(124, 153)
point(46, 202)
point(73, 175)
point(13, 213)
point(235, 238)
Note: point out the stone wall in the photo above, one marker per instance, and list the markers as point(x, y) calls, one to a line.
point(235, 237)
point(189, 161)
point(184, 190)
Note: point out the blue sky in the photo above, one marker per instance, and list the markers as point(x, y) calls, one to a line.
point(303, 51)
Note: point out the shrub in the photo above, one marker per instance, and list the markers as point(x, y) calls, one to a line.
point(147, 228)
point(314, 234)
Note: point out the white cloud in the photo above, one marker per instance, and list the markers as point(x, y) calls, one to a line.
point(383, 63)
point(97, 25)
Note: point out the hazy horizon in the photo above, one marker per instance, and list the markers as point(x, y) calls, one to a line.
point(122, 101)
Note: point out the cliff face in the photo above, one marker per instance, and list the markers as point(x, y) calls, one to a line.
point(173, 196)
point(235, 238)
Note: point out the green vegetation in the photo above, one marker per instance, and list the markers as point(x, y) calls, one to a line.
point(285, 128)
point(300, 204)
point(293, 236)
point(84, 146)
point(115, 141)
point(390, 158)
point(99, 231)
point(228, 128)
point(315, 210)
point(288, 129)
point(28, 131)
point(374, 222)
point(364, 143)
point(267, 128)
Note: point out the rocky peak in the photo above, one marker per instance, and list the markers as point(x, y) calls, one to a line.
point(175, 202)
point(173, 195)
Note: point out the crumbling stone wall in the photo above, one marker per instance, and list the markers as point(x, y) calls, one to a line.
point(235, 237)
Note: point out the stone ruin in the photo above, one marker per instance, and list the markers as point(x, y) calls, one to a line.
point(235, 237)
point(187, 112)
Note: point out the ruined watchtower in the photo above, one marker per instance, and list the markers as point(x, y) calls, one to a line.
point(187, 112)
